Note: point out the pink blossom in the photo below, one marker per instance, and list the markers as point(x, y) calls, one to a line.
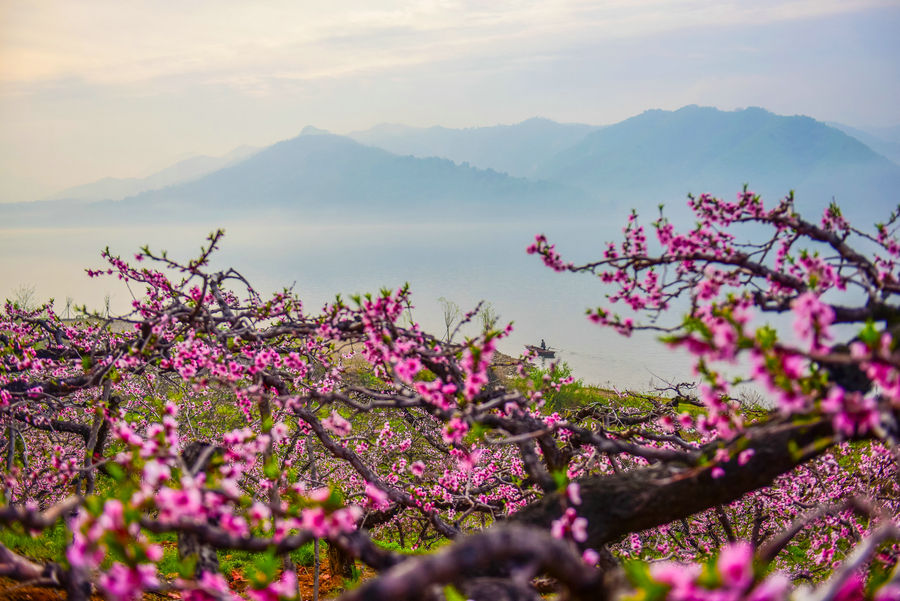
point(210, 587)
point(283, 588)
point(407, 369)
point(314, 520)
point(345, 519)
point(468, 461)
point(320, 495)
point(336, 424)
point(667, 423)
point(258, 512)
point(573, 492)
point(891, 592)
point(579, 529)
point(123, 583)
point(590, 557)
point(735, 564)
point(811, 319)
point(774, 588)
point(82, 554)
point(852, 589)
point(681, 578)
point(570, 523)
point(455, 430)
point(155, 473)
point(377, 498)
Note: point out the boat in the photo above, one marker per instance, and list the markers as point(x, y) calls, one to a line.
point(541, 352)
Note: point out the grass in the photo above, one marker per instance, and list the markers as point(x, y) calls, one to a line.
point(241, 561)
point(49, 545)
point(577, 394)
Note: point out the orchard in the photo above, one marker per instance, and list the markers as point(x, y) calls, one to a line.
point(211, 421)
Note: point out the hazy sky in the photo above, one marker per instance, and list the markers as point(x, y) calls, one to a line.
point(99, 88)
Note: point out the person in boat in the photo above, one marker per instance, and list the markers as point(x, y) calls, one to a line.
point(543, 345)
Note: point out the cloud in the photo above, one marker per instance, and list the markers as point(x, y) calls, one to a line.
point(134, 43)
point(104, 87)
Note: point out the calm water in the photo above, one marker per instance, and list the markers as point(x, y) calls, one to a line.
point(464, 263)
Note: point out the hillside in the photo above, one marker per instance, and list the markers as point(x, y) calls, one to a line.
point(325, 174)
point(664, 155)
point(884, 141)
point(577, 171)
point(327, 177)
point(117, 188)
point(517, 149)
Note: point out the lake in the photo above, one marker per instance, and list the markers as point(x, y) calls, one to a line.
point(462, 262)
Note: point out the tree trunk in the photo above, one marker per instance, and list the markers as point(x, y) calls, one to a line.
point(635, 500)
point(340, 564)
point(197, 456)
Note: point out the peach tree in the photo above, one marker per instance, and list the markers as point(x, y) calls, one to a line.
point(237, 422)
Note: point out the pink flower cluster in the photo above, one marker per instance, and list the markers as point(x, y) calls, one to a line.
point(548, 253)
point(570, 524)
point(736, 580)
point(91, 535)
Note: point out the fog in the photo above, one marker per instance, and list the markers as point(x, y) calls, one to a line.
point(464, 263)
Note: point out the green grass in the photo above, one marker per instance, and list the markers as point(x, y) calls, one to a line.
point(49, 545)
point(354, 580)
point(568, 396)
point(229, 561)
point(577, 394)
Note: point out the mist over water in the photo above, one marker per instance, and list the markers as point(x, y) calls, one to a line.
point(462, 262)
point(328, 215)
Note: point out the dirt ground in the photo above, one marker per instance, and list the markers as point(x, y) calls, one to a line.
point(11, 590)
point(329, 588)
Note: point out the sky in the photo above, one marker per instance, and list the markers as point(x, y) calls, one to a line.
point(100, 88)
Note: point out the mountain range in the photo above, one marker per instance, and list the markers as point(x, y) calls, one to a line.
point(185, 170)
point(883, 140)
point(518, 150)
point(534, 169)
point(700, 149)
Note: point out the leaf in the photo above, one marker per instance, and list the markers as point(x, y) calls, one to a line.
point(561, 479)
point(271, 469)
point(869, 334)
point(115, 471)
point(265, 569)
point(335, 500)
point(451, 594)
point(267, 424)
point(648, 589)
point(766, 336)
point(94, 505)
point(478, 431)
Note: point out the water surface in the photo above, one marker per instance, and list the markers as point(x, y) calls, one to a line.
point(462, 262)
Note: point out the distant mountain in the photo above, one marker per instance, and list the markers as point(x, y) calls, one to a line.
point(116, 188)
point(328, 177)
point(576, 172)
point(884, 140)
point(514, 149)
point(890, 133)
point(662, 155)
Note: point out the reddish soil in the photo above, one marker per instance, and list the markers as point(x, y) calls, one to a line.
point(11, 590)
point(329, 588)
